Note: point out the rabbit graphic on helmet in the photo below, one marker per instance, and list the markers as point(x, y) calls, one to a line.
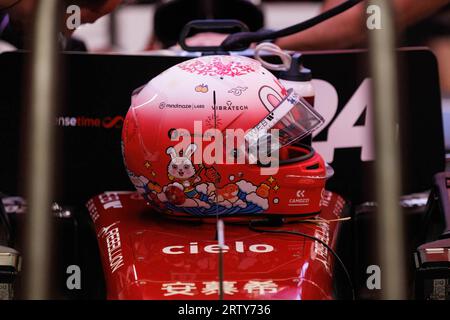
point(182, 173)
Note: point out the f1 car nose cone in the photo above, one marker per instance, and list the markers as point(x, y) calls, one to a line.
point(164, 258)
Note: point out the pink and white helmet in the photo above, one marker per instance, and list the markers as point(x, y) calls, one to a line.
point(175, 134)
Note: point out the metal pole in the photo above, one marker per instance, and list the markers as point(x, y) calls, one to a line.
point(221, 242)
point(113, 35)
point(388, 169)
point(40, 142)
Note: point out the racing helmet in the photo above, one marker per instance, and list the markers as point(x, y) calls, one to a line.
point(215, 136)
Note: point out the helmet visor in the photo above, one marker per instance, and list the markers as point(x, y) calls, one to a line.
point(293, 119)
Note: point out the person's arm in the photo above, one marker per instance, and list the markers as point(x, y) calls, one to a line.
point(21, 11)
point(92, 10)
point(5, 4)
point(348, 29)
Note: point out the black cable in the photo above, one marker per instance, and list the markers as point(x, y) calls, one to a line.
point(296, 233)
point(244, 39)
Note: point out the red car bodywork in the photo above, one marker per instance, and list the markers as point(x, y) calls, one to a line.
point(148, 256)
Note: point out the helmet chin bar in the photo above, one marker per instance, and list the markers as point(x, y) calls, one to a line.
point(300, 153)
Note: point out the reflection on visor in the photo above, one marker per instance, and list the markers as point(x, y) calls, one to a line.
point(292, 119)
